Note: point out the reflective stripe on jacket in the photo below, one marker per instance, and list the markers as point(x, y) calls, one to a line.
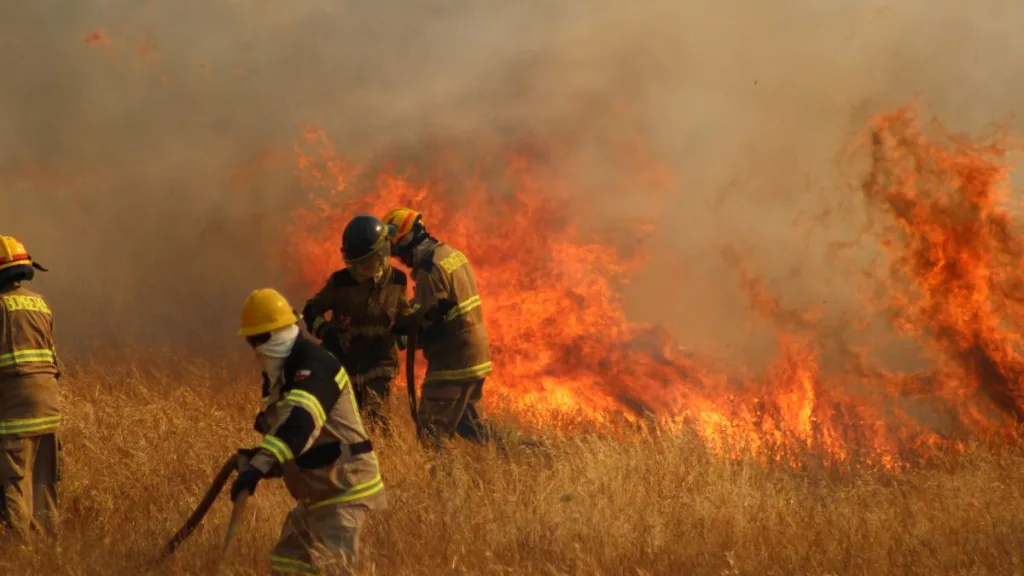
point(456, 348)
point(29, 367)
point(312, 407)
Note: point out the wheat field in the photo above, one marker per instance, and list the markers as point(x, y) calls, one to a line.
point(143, 439)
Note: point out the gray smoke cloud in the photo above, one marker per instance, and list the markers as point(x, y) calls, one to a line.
point(140, 165)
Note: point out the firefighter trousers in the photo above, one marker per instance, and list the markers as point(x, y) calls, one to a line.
point(324, 540)
point(29, 471)
point(372, 397)
point(449, 408)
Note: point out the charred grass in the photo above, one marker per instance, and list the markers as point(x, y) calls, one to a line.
point(143, 441)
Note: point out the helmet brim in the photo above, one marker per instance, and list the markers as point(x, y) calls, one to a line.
point(384, 249)
point(245, 331)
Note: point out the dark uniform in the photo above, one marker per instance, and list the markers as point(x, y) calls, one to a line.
point(362, 314)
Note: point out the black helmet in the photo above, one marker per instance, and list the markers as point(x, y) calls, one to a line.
point(363, 236)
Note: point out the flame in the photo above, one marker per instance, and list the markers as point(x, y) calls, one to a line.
point(565, 352)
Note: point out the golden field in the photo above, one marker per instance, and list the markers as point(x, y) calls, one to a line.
point(143, 442)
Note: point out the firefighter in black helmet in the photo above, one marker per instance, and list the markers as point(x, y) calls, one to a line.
point(363, 300)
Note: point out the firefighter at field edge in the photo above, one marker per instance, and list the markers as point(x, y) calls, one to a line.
point(364, 300)
point(313, 437)
point(455, 345)
point(29, 398)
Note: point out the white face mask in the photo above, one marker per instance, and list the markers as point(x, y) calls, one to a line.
point(273, 352)
point(274, 367)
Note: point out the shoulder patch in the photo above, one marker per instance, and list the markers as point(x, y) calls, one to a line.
point(453, 261)
point(302, 375)
point(24, 302)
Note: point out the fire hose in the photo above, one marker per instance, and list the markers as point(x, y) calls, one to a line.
point(229, 538)
point(197, 516)
point(410, 364)
point(232, 464)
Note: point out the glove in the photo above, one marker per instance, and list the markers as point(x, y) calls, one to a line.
point(444, 306)
point(246, 480)
point(334, 339)
point(245, 456)
point(275, 471)
point(260, 425)
point(440, 309)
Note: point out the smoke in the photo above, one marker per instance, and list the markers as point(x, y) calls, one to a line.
point(148, 164)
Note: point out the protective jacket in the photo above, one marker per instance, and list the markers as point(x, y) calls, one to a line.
point(456, 347)
point(313, 431)
point(365, 312)
point(29, 369)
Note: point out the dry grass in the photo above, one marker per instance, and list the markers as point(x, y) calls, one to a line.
point(141, 447)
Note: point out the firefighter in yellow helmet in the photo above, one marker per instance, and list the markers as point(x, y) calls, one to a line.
point(456, 346)
point(313, 437)
point(29, 398)
point(364, 300)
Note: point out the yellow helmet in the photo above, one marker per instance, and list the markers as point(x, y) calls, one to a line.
point(400, 222)
point(13, 253)
point(266, 310)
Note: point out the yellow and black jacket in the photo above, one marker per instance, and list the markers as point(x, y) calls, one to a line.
point(313, 431)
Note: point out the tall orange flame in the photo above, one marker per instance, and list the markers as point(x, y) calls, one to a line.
point(565, 351)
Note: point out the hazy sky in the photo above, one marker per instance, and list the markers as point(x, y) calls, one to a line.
point(119, 159)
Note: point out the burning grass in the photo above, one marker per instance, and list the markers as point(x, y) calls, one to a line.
point(144, 439)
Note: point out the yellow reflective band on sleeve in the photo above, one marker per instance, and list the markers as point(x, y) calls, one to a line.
point(318, 322)
point(27, 357)
point(357, 492)
point(463, 374)
point(292, 566)
point(342, 379)
point(463, 307)
point(29, 425)
point(309, 403)
point(453, 262)
point(277, 447)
